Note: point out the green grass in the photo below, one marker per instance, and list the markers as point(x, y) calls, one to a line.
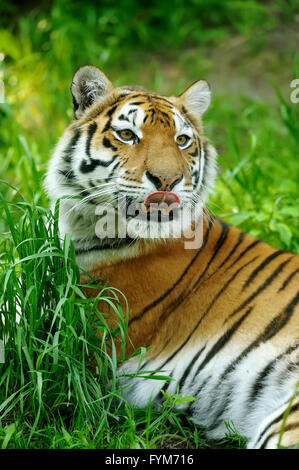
point(54, 383)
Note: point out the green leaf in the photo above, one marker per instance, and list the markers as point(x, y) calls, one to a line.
point(292, 211)
point(285, 233)
point(9, 431)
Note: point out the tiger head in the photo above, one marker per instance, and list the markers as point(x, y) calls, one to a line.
point(131, 149)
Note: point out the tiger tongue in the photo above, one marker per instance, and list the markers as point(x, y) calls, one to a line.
point(165, 197)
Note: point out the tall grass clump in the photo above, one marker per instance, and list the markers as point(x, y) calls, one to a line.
point(59, 354)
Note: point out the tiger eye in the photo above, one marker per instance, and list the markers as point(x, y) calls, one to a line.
point(182, 139)
point(126, 134)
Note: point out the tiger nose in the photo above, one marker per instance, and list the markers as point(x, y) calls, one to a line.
point(164, 183)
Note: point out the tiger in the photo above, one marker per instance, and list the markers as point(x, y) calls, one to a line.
point(220, 318)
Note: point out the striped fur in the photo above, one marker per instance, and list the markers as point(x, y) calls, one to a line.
point(221, 319)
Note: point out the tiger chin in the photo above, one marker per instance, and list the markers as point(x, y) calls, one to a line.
point(219, 316)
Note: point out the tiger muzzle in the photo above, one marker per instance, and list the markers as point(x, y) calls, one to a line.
point(163, 201)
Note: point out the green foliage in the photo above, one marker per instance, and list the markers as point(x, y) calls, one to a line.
point(257, 188)
point(148, 24)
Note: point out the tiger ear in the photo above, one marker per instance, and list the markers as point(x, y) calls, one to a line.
point(89, 85)
point(197, 97)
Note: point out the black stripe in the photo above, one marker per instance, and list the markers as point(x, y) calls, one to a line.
point(160, 395)
point(289, 427)
point(182, 380)
point(195, 175)
point(176, 182)
point(248, 248)
point(90, 133)
point(156, 354)
point(230, 280)
point(115, 243)
point(205, 146)
point(205, 167)
point(111, 110)
point(113, 170)
point(271, 329)
point(288, 279)
point(234, 248)
point(135, 95)
point(195, 153)
point(107, 126)
point(220, 242)
point(68, 174)
point(266, 283)
point(87, 167)
point(198, 150)
point(168, 291)
point(223, 340)
point(132, 111)
point(166, 103)
point(153, 112)
point(259, 383)
point(153, 179)
point(261, 266)
point(128, 186)
point(67, 154)
point(85, 193)
point(279, 321)
point(130, 179)
point(166, 115)
point(107, 144)
point(75, 104)
point(196, 179)
point(275, 421)
point(201, 387)
point(122, 117)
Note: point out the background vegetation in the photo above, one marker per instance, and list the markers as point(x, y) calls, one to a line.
point(49, 397)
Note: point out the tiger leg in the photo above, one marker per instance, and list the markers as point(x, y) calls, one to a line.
point(268, 435)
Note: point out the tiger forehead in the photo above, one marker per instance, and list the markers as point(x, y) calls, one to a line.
point(149, 99)
point(149, 109)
